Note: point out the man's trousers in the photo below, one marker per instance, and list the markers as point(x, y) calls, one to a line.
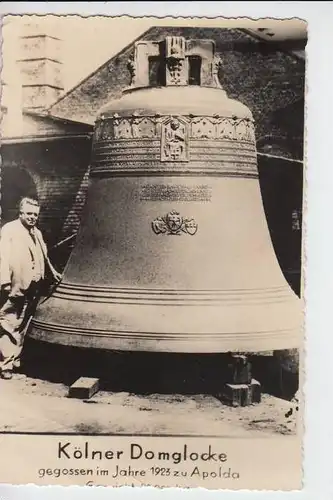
point(15, 315)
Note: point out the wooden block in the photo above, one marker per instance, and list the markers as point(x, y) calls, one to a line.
point(236, 394)
point(84, 388)
point(255, 391)
point(238, 370)
point(241, 394)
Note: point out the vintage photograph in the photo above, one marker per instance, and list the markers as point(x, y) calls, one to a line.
point(152, 192)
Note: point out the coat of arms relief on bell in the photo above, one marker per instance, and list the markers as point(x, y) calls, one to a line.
point(173, 223)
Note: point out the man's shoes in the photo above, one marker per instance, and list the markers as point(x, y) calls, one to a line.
point(6, 374)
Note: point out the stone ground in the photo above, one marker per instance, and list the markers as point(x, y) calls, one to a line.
point(35, 405)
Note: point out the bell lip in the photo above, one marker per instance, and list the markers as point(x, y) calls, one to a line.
point(166, 101)
point(146, 342)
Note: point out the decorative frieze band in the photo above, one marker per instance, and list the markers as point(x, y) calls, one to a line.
point(206, 156)
point(150, 127)
point(154, 168)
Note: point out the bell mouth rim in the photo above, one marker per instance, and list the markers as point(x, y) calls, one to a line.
point(184, 342)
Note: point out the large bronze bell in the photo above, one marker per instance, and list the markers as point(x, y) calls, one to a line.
point(174, 252)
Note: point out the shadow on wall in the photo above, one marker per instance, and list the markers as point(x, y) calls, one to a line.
point(146, 372)
point(16, 183)
point(281, 183)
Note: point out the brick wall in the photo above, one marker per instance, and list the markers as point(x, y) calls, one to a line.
point(283, 131)
point(58, 169)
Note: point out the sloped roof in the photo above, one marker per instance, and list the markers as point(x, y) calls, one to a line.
point(36, 126)
point(82, 102)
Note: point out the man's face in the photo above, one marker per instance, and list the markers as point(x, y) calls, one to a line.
point(29, 215)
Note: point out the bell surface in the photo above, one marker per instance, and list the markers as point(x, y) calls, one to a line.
point(173, 252)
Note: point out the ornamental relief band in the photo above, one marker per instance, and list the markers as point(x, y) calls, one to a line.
point(198, 127)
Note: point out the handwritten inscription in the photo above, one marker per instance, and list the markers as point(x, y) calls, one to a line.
point(158, 192)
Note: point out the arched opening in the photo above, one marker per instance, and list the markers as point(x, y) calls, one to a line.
point(16, 183)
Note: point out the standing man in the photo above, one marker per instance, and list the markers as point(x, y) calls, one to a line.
point(23, 264)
